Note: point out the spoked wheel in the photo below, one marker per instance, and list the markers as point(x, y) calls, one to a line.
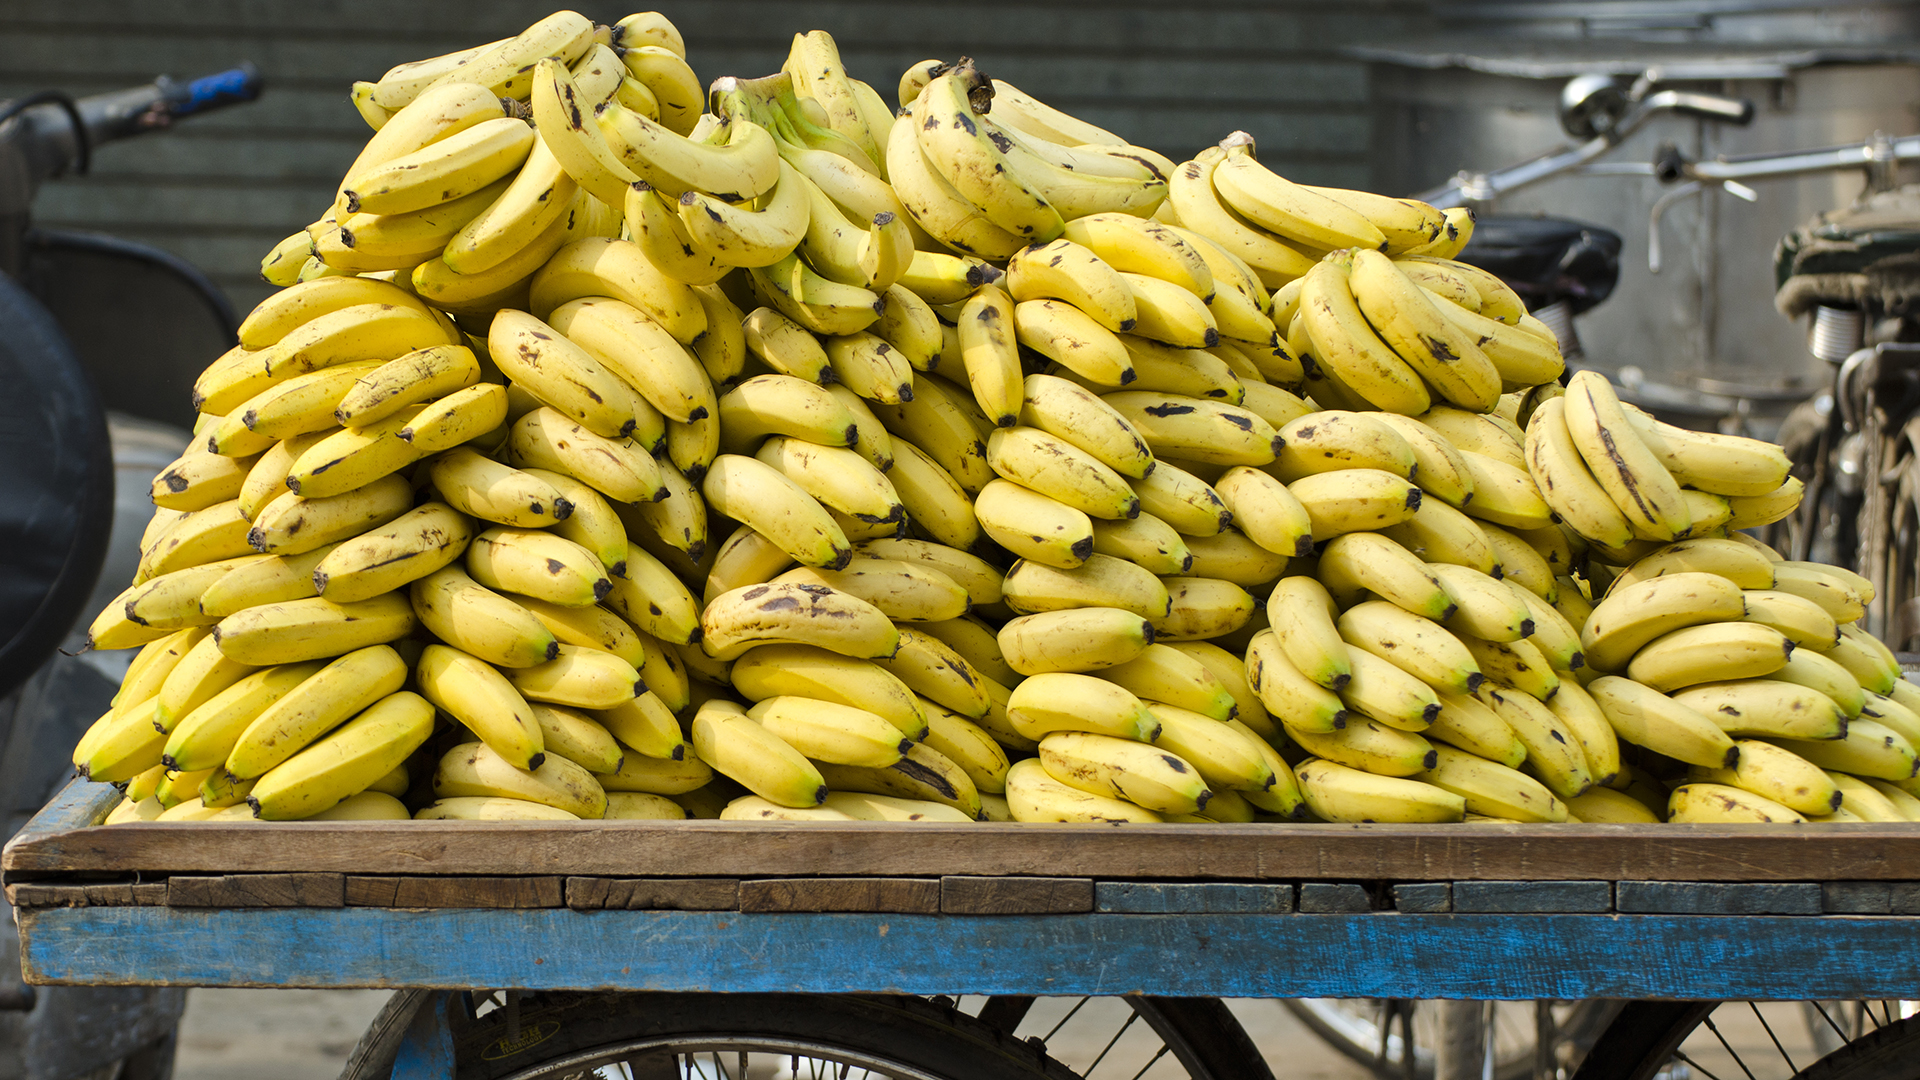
point(1745, 1040)
point(1451, 1039)
point(670, 1036)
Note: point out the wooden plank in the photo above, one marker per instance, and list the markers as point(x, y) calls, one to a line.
point(453, 892)
point(1717, 898)
point(1871, 897)
point(1532, 897)
point(57, 842)
point(257, 890)
point(1325, 898)
point(1191, 898)
point(919, 896)
point(1424, 897)
point(25, 896)
point(1230, 955)
point(653, 894)
point(961, 895)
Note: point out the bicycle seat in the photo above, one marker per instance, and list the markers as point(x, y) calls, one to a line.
point(56, 486)
point(1547, 259)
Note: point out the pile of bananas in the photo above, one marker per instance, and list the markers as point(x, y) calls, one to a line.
point(619, 450)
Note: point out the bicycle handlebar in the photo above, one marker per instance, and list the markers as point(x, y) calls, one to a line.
point(1484, 187)
point(49, 134)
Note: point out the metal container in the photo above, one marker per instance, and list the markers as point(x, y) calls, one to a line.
point(1479, 96)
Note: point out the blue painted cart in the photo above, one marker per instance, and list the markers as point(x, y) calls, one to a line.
point(756, 912)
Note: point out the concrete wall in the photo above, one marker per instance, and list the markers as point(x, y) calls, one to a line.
point(221, 190)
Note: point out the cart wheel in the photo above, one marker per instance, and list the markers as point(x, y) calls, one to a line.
point(788, 1036)
point(1810, 1040)
point(1377, 1032)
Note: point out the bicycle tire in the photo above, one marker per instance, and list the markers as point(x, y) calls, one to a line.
point(1888, 1053)
point(1646, 1035)
point(563, 1033)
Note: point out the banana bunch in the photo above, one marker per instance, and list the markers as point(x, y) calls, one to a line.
point(617, 449)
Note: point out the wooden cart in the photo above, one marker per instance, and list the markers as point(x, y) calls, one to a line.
point(1335, 911)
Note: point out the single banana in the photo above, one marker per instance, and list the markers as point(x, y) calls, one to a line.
point(905, 592)
point(653, 599)
point(1060, 470)
point(475, 770)
point(1440, 534)
point(480, 697)
point(1034, 795)
point(1075, 340)
point(1358, 562)
point(1444, 355)
point(1867, 749)
point(1766, 708)
point(1706, 803)
point(1202, 608)
point(621, 469)
point(292, 525)
point(762, 614)
point(1068, 701)
point(1123, 769)
point(1713, 652)
point(1354, 500)
point(831, 732)
point(1336, 439)
point(1100, 581)
point(1489, 609)
point(1338, 793)
point(1515, 665)
point(924, 773)
point(1418, 646)
point(480, 487)
point(468, 615)
point(296, 630)
point(1066, 271)
point(1780, 775)
point(644, 724)
point(1645, 717)
point(1493, 789)
point(1723, 464)
point(1197, 429)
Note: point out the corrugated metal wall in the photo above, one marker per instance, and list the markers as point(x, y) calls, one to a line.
point(222, 189)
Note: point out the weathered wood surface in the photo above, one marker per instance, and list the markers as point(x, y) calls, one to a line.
point(962, 895)
point(58, 842)
point(653, 894)
point(257, 890)
point(916, 896)
point(453, 892)
point(1235, 955)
